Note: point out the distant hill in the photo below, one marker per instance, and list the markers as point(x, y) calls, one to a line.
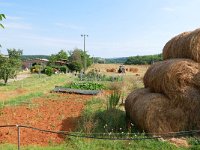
point(26, 57)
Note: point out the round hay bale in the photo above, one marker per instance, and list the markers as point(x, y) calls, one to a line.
point(178, 79)
point(152, 113)
point(184, 45)
point(132, 97)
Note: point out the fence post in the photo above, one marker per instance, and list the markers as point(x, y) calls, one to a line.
point(18, 136)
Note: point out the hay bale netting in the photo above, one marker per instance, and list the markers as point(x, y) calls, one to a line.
point(178, 79)
point(185, 45)
point(152, 113)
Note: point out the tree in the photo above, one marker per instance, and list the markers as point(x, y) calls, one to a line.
point(10, 65)
point(2, 16)
point(61, 55)
point(76, 60)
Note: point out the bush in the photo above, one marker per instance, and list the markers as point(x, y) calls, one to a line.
point(75, 66)
point(63, 69)
point(49, 71)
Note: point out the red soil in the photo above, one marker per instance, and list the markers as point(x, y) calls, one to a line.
point(58, 113)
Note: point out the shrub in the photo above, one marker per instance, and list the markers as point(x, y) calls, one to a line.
point(63, 69)
point(75, 66)
point(49, 71)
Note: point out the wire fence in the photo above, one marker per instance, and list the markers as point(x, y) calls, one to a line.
point(107, 136)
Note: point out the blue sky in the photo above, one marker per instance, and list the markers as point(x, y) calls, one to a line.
point(116, 28)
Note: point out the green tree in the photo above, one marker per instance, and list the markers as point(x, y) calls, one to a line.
point(10, 65)
point(61, 55)
point(141, 60)
point(76, 60)
point(2, 16)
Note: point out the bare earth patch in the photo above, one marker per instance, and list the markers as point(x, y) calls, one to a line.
point(58, 113)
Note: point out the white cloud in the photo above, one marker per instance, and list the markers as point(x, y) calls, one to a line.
point(68, 26)
point(23, 26)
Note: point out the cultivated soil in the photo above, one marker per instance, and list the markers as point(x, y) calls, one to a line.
point(59, 112)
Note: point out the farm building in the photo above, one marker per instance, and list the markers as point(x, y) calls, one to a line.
point(27, 64)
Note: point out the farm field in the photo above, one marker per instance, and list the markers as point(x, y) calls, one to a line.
point(29, 102)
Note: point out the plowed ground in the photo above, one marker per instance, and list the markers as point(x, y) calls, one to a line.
point(59, 112)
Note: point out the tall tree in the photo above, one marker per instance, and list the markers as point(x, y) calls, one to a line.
point(76, 60)
point(10, 65)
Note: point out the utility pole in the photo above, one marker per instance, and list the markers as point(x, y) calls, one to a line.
point(84, 35)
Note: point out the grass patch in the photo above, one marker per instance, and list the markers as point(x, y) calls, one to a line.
point(32, 86)
point(21, 99)
point(96, 118)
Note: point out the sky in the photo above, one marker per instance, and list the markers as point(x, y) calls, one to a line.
point(116, 28)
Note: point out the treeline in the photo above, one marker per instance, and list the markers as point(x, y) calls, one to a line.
point(142, 60)
point(120, 60)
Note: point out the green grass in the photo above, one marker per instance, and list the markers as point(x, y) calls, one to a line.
point(88, 144)
point(21, 99)
point(97, 119)
point(33, 86)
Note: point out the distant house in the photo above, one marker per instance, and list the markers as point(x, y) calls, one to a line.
point(27, 64)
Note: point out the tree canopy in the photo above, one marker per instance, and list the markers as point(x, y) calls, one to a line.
point(141, 60)
point(10, 65)
point(61, 55)
point(76, 60)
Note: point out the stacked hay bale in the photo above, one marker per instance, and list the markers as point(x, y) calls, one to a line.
point(170, 101)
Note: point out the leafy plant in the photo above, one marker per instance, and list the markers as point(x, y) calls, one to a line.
point(95, 76)
point(113, 100)
point(85, 86)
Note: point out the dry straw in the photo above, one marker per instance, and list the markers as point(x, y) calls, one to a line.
point(155, 113)
point(184, 45)
point(178, 79)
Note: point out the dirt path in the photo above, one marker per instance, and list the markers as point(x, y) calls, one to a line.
point(58, 113)
point(19, 77)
